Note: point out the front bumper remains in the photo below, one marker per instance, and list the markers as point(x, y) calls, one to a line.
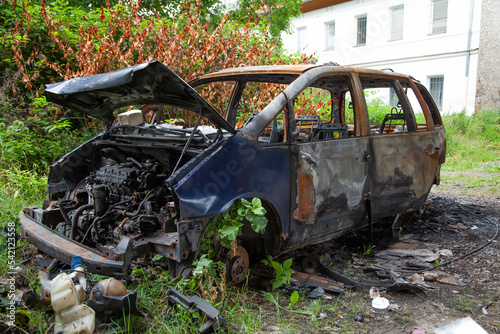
point(64, 249)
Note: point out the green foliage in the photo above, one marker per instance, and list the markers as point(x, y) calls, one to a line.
point(283, 271)
point(209, 277)
point(464, 303)
point(29, 42)
point(471, 141)
point(276, 14)
point(29, 142)
point(377, 109)
point(227, 226)
point(270, 297)
point(367, 251)
point(294, 298)
point(36, 141)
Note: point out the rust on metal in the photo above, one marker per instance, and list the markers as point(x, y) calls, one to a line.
point(324, 283)
point(305, 199)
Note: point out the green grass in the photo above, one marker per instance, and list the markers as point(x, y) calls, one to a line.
point(473, 142)
point(464, 303)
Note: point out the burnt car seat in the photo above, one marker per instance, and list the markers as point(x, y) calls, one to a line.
point(330, 131)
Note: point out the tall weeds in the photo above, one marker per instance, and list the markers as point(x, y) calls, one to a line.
point(471, 141)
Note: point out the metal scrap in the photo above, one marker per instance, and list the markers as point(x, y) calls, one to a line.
point(320, 282)
point(396, 283)
point(215, 322)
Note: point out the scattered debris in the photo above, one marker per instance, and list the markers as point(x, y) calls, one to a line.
point(380, 303)
point(374, 293)
point(110, 297)
point(484, 308)
point(446, 278)
point(419, 280)
point(461, 326)
point(435, 276)
point(418, 330)
point(395, 283)
point(430, 276)
point(72, 316)
point(409, 248)
point(358, 317)
point(316, 281)
point(445, 252)
point(215, 322)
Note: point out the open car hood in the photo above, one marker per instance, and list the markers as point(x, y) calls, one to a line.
point(149, 83)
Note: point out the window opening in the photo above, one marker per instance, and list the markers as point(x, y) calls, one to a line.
point(436, 84)
point(217, 93)
point(361, 30)
point(385, 115)
point(439, 16)
point(255, 96)
point(393, 98)
point(319, 111)
point(275, 131)
point(436, 116)
point(417, 110)
point(397, 14)
point(301, 35)
point(330, 35)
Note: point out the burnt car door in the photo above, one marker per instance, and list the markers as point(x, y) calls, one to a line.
point(330, 161)
point(404, 147)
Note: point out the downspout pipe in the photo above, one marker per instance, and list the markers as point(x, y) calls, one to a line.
point(469, 38)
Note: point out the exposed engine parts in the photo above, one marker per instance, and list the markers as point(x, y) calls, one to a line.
point(118, 204)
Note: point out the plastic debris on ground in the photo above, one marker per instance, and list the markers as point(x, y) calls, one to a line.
point(110, 297)
point(418, 330)
point(380, 303)
point(461, 326)
point(72, 316)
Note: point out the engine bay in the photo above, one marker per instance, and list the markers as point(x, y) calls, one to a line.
point(125, 202)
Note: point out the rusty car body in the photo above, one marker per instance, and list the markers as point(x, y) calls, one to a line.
point(300, 138)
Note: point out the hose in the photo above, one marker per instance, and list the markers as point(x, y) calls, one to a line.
point(76, 215)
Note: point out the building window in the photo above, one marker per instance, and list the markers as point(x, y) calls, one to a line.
point(361, 30)
point(436, 83)
point(330, 35)
point(393, 98)
point(439, 16)
point(301, 33)
point(397, 14)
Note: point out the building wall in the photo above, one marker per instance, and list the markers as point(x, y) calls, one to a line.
point(488, 79)
point(419, 53)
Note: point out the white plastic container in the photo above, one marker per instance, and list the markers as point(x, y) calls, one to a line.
point(72, 316)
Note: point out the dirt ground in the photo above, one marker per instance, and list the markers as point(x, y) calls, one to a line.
point(460, 225)
point(455, 223)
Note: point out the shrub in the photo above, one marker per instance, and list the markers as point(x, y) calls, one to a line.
point(52, 41)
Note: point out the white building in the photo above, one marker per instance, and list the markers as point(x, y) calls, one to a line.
point(435, 41)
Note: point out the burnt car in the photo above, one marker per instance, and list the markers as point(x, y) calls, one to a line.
point(313, 143)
